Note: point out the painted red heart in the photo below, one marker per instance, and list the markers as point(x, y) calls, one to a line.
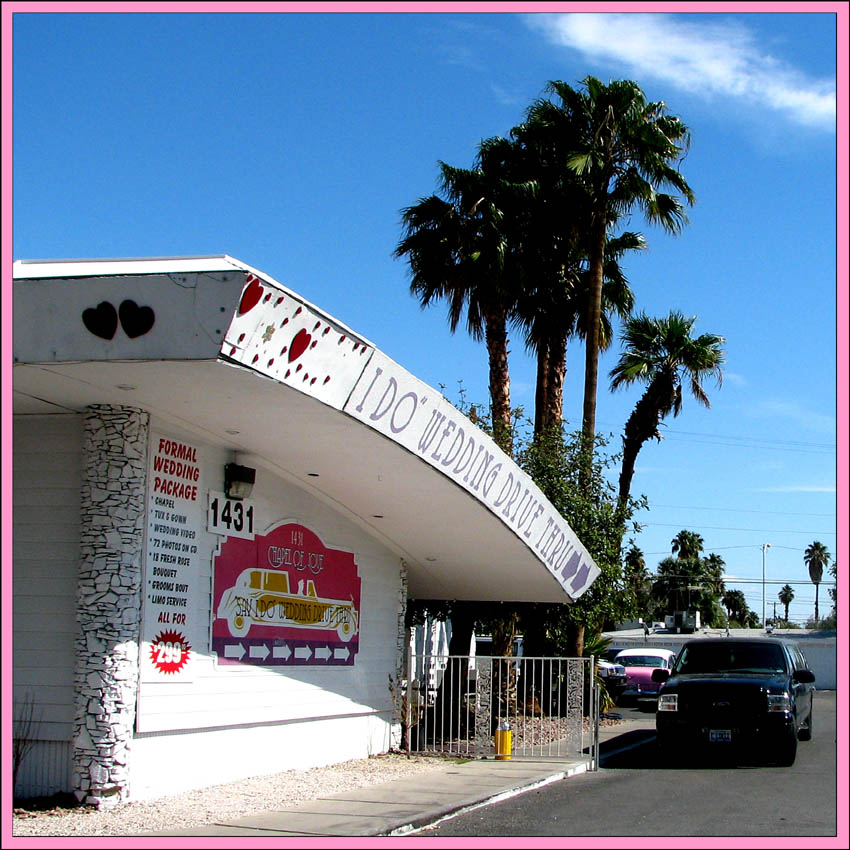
point(251, 296)
point(299, 344)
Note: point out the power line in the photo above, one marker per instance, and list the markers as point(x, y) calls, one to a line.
point(734, 580)
point(747, 442)
point(734, 510)
point(724, 528)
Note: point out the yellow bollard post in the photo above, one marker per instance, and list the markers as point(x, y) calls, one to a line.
point(503, 742)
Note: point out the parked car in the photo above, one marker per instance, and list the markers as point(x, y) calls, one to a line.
point(639, 663)
point(614, 676)
point(736, 694)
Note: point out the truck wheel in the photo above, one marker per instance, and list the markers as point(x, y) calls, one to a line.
point(668, 752)
point(805, 733)
point(786, 751)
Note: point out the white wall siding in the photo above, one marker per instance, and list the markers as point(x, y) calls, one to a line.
point(170, 763)
point(226, 722)
point(46, 494)
point(45, 771)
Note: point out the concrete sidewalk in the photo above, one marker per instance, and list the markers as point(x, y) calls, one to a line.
point(404, 806)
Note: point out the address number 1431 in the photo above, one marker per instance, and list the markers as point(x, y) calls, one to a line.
point(231, 517)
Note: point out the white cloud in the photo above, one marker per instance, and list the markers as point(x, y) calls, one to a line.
point(798, 488)
point(791, 411)
point(506, 97)
point(702, 58)
point(735, 379)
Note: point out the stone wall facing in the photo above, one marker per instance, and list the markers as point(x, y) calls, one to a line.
point(109, 600)
point(396, 685)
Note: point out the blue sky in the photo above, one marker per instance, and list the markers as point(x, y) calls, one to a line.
point(292, 142)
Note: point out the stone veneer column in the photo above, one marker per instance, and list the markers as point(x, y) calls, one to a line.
point(109, 600)
point(399, 695)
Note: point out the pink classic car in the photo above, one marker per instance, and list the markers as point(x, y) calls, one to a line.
point(639, 663)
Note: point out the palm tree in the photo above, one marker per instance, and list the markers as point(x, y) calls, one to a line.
point(786, 597)
point(555, 258)
point(637, 577)
point(687, 544)
point(713, 565)
point(661, 354)
point(635, 563)
point(735, 604)
point(555, 309)
point(816, 557)
point(679, 581)
point(623, 149)
point(460, 248)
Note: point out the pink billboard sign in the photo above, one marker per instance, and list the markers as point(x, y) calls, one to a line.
point(285, 599)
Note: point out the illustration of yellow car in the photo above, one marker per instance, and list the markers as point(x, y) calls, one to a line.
point(264, 598)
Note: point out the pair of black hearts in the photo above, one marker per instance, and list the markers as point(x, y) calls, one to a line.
point(103, 320)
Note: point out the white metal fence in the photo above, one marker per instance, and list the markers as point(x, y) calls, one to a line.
point(463, 705)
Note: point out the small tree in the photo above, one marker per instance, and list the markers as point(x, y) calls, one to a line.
point(558, 464)
point(751, 621)
point(26, 718)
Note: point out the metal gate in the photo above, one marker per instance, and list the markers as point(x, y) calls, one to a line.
point(463, 705)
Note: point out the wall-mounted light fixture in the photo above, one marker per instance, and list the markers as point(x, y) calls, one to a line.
point(238, 481)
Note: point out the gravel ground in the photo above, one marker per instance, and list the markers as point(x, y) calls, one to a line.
point(233, 800)
point(238, 799)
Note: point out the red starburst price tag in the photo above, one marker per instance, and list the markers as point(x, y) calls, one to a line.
point(170, 652)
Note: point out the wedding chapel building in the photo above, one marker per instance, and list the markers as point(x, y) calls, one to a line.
point(223, 498)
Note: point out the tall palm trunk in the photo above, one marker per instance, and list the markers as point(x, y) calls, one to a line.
point(454, 683)
point(541, 391)
point(591, 361)
point(496, 336)
point(554, 402)
point(575, 639)
point(504, 670)
point(551, 369)
point(817, 585)
point(641, 426)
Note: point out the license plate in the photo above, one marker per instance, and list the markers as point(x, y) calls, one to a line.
point(720, 736)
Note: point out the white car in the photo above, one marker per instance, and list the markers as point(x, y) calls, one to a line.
point(614, 676)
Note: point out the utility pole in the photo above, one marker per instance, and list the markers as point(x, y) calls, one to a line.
point(764, 549)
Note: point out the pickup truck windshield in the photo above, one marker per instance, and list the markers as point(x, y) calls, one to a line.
point(731, 658)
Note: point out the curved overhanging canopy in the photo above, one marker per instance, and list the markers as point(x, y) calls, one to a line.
point(224, 352)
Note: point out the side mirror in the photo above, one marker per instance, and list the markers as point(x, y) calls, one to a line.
point(804, 677)
point(659, 674)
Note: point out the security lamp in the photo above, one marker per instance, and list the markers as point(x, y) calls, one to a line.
point(238, 481)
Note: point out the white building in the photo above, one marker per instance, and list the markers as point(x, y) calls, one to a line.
point(171, 635)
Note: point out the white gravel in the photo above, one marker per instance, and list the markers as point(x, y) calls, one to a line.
point(223, 802)
point(249, 796)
